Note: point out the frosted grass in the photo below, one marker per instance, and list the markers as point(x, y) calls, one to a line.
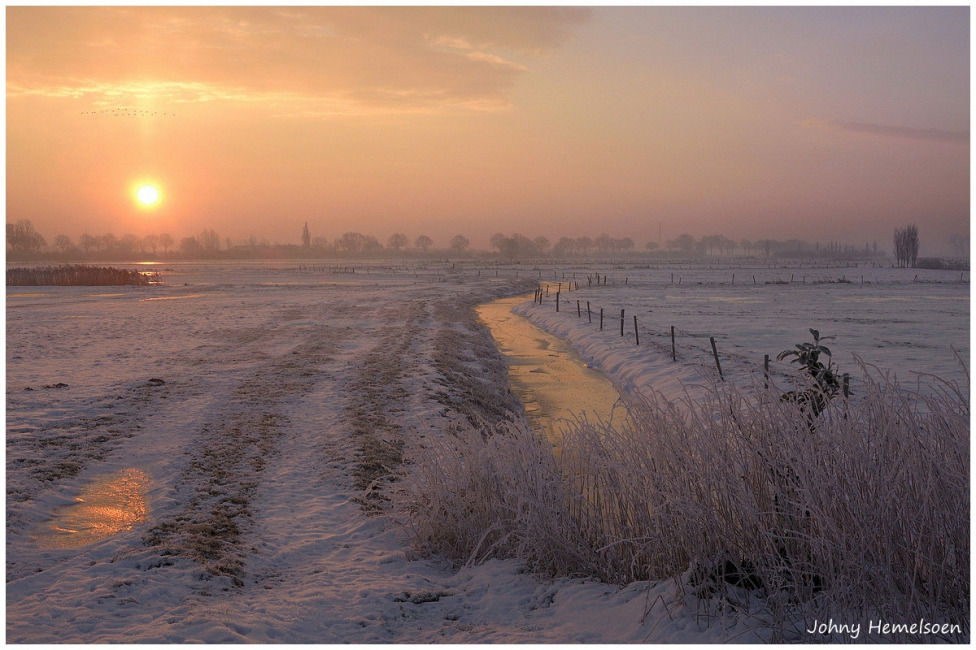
point(865, 515)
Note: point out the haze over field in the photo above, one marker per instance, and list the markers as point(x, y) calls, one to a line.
point(817, 123)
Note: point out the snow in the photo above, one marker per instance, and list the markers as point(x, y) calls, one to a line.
point(243, 391)
point(882, 315)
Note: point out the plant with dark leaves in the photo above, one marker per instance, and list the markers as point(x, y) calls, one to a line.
point(807, 355)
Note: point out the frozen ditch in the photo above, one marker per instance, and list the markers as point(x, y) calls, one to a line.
point(555, 385)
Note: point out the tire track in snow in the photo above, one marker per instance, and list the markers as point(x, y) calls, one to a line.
point(374, 394)
point(228, 457)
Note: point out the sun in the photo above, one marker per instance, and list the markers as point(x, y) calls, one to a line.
point(148, 195)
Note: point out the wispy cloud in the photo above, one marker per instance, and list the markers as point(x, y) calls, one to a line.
point(401, 59)
point(889, 131)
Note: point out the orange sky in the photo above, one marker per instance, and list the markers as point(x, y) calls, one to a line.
point(816, 123)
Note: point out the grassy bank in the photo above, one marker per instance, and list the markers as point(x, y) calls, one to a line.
point(862, 515)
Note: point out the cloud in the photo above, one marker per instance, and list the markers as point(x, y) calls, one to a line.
point(888, 131)
point(379, 59)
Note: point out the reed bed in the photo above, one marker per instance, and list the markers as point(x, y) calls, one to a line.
point(78, 275)
point(862, 513)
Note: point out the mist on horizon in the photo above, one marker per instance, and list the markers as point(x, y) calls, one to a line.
point(819, 124)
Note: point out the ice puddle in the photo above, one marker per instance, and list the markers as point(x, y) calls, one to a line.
point(110, 504)
point(545, 372)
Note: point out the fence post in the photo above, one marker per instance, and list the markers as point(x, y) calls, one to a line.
point(674, 356)
point(766, 370)
point(715, 353)
point(589, 316)
point(601, 319)
point(621, 322)
point(636, 335)
point(557, 301)
point(578, 312)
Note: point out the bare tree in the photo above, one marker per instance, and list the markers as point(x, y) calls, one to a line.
point(209, 240)
point(64, 243)
point(151, 242)
point(165, 240)
point(351, 242)
point(460, 243)
point(423, 242)
point(584, 245)
point(130, 244)
point(306, 237)
point(21, 236)
point(190, 246)
point(960, 245)
point(109, 242)
point(88, 242)
point(505, 245)
point(397, 241)
point(372, 245)
point(683, 242)
point(565, 246)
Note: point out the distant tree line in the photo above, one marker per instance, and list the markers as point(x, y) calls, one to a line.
point(24, 242)
point(686, 245)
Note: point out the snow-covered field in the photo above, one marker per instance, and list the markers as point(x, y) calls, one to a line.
point(910, 322)
point(268, 405)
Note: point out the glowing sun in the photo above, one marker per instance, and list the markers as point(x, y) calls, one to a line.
point(148, 195)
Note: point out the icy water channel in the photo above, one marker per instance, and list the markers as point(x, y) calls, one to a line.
point(545, 372)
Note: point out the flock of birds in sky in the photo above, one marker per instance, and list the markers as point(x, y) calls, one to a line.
point(127, 112)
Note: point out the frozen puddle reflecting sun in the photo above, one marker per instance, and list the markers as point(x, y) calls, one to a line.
point(546, 373)
point(110, 504)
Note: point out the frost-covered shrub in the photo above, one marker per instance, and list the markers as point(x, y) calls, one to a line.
point(865, 514)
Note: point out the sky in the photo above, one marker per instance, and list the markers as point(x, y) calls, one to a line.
point(816, 123)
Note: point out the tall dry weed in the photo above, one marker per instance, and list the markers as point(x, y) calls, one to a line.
point(863, 513)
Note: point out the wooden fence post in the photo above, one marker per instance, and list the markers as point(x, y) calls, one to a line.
point(636, 334)
point(621, 322)
point(557, 301)
point(674, 356)
point(715, 353)
point(601, 319)
point(589, 316)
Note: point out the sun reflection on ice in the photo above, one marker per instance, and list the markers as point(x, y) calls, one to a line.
point(554, 384)
point(110, 504)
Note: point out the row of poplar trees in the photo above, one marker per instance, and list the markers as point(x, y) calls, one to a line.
point(906, 245)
